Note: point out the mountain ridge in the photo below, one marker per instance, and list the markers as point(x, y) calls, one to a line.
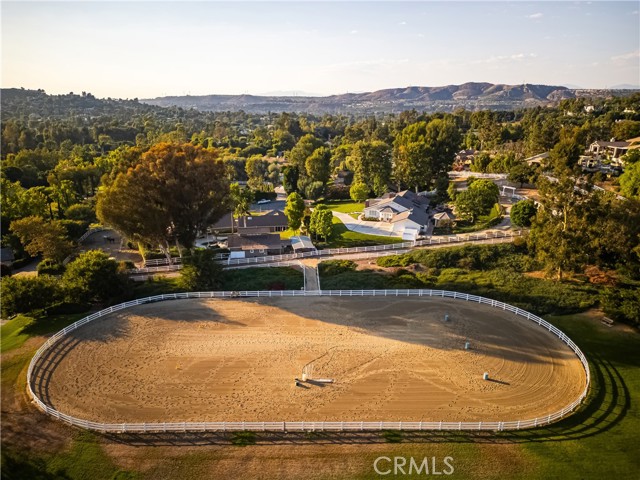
point(470, 95)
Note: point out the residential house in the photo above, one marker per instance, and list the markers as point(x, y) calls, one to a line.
point(406, 212)
point(611, 149)
point(272, 221)
point(261, 245)
point(269, 222)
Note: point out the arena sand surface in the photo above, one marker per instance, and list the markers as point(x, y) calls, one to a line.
point(391, 359)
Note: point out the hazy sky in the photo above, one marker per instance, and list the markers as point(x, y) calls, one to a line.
point(148, 49)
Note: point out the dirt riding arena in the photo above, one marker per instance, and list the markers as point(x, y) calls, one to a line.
point(390, 359)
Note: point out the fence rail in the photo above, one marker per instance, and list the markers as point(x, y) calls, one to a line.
point(439, 240)
point(307, 426)
point(162, 264)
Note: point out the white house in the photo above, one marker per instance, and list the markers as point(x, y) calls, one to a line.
point(405, 211)
point(612, 148)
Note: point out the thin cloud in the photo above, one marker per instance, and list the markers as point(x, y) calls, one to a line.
point(626, 57)
point(535, 16)
point(354, 32)
point(402, 23)
point(516, 57)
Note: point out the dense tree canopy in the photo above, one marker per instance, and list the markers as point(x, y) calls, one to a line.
point(424, 150)
point(40, 237)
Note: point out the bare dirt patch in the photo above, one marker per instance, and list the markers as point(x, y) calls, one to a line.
point(391, 359)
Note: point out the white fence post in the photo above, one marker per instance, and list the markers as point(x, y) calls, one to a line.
point(144, 427)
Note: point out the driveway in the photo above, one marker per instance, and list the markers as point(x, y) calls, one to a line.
point(362, 226)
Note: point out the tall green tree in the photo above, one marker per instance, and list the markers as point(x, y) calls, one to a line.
point(630, 181)
point(487, 128)
point(294, 210)
point(241, 200)
point(303, 150)
point(522, 173)
point(559, 233)
point(290, 175)
point(371, 164)
point(321, 223)
point(564, 156)
point(318, 165)
point(40, 237)
point(257, 172)
point(26, 294)
point(359, 191)
point(179, 190)
point(478, 199)
point(423, 151)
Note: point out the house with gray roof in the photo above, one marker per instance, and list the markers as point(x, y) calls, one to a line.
point(406, 212)
point(269, 222)
point(248, 246)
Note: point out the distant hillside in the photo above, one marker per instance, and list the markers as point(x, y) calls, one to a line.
point(472, 96)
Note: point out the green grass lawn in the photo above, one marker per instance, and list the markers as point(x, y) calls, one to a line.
point(483, 222)
point(12, 333)
point(346, 206)
point(265, 278)
point(18, 330)
point(343, 237)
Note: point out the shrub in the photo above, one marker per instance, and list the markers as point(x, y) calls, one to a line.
point(26, 294)
point(82, 212)
point(92, 277)
point(337, 192)
point(75, 228)
point(622, 304)
point(522, 213)
point(395, 261)
point(335, 267)
point(262, 278)
point(355, 280)
point(50, 267)
point(200, 272)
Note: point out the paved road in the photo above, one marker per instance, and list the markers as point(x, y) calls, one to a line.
point(311, 276)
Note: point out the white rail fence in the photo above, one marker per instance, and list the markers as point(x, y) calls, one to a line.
point(34, 372)
point(439, 240)
point(90, 232)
